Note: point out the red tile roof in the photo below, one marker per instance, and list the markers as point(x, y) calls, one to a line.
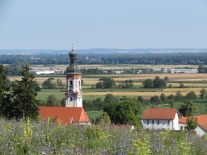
point(201, 119)
point(65, 115)
point(159, 114)
point(204, 126)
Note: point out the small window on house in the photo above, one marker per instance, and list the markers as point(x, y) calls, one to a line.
point(79, 84)
point(153, 122)
point(71, 98)
point(158, 122)
point(168, 122)
point(147, 122)
point(181, 128)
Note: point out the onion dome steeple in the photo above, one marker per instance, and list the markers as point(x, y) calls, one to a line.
point(73, 67)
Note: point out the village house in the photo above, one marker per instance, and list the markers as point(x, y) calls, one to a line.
point(202, 124)
point(73, 111)
point(160, 118)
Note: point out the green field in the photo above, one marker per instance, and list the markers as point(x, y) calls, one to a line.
point(94, 114)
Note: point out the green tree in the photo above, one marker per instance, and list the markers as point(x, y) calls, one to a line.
point(51, 100)
point(187, 109)
point(5, 96)
point(192, 123)
point(104, 119)
point(178, 96)
point(166, 78)
point(48, 84)
point(24, 103)
point(148, 83)
point(159, 83)
point(106, 82)
point(163, 97)
point(140, 98)
point(191, 95)
point(128, 84)
point(2, 84)
point(203, 93)
point(125, 112)
point(155, 99)
point(109, 98)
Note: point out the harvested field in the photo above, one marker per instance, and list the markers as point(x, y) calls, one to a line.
point(145, 94)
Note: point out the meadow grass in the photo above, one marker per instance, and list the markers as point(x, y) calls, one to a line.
point(44, 93)
point(94, 114)
point(45, 137)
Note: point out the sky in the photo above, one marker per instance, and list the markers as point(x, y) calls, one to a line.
point(124, 24)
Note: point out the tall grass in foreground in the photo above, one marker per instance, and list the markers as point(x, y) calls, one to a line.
point(26, 137)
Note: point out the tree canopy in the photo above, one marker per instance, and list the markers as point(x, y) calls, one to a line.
point(192, 123)
point(187, 109)
point(106, 82)
point(127, 111)
point(156, 83)
point(148, 83)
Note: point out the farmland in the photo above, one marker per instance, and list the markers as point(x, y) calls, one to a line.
point(191, 82)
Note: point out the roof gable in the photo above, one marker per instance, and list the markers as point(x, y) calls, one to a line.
point(159, 114)
point(65, 115)
point(204, 127)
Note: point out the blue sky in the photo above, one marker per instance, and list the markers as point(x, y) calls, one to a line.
point(128, 24)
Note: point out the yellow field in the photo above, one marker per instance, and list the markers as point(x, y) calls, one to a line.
point(172, 77)
point(168, 91)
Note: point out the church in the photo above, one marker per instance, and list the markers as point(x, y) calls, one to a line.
point(73, 112)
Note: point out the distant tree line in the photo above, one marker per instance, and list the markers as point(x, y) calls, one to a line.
point(152, 59)
point(107, 82)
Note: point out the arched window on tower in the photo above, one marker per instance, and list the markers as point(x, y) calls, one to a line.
point(71, 83)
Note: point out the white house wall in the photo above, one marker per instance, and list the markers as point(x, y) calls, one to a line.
point(176, 122)
point(163, 124)
point(200, 132)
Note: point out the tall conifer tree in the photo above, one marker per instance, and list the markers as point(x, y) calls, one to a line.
point(24, 102)
point(5, 96)
point(2, 83)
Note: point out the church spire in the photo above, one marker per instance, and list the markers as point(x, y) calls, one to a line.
point(73, 94)
point(73, 67)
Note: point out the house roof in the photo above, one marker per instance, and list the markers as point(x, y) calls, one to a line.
point(65, 115)
point(204, 126)
point(159, 113)
point(201, 119)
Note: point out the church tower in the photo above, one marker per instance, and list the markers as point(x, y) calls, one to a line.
point(73, 94)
